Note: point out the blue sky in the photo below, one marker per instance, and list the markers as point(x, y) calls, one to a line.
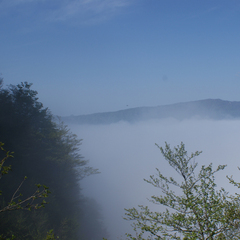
point(87, 56)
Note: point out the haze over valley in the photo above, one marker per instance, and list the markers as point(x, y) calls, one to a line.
point(125, 154)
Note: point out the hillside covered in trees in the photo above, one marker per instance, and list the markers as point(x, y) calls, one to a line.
point(48, 154)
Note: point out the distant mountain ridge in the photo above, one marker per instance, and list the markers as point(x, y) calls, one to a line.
point(216, 109)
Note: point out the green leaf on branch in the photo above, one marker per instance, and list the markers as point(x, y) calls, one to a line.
point(197, 211)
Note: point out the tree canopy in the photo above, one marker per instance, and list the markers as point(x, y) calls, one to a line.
point(47, 153)
point(195, 207)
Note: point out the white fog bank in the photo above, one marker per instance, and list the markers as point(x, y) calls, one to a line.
point(126, 153)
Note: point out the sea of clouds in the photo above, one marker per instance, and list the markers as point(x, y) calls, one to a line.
point(126, 153)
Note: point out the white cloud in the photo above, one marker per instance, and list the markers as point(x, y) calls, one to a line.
point(12, 3)
point(126, 153)
point(86, 11)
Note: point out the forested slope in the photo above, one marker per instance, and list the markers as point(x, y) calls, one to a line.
point(47, 153)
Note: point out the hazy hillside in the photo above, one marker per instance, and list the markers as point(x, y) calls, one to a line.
point(210, 108)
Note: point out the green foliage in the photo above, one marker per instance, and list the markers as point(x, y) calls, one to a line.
point(16, 201)
point(195, 210)
point(4, 169)
point(50, 235)
point(48, 153)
